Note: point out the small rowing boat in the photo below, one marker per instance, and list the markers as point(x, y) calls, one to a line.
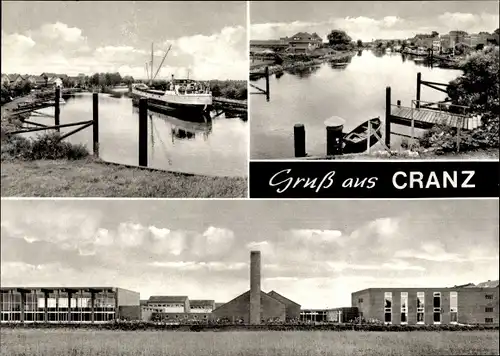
point(356, 140)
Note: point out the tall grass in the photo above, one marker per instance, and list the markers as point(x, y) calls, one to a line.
point(111, 343)
point(44, 146)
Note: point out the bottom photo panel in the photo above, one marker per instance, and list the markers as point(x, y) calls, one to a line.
point(249, 277)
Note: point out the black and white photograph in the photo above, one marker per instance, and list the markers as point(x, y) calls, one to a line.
point(363, 80)
point(124, 99)
point(136, 277)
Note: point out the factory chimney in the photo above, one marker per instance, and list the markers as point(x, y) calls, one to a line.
point(255, 314)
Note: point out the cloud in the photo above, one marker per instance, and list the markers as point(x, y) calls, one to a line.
point(60, 48)
point(388, 27)
point(61, 31)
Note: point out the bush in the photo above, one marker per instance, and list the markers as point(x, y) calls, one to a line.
point(46, 146)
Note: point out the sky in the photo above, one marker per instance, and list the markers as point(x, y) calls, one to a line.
point(316, 253)
point(208, 38)
point(367, 20)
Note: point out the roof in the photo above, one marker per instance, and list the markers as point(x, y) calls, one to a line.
point(281, 298)
point(201, 302)
point(306, 36)
point(268, 43)
point(488, 284)
point(167, 299)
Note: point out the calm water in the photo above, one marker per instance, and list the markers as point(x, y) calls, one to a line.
point(355, 93)
point(217, 149)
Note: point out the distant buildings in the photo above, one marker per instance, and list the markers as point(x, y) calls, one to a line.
point(301, 42)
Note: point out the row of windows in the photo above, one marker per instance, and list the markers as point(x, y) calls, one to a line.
point(436, 307)
point(15, 316)
point(486, 296)
point(166, 305)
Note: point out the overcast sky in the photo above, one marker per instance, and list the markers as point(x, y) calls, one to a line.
point(314, 252)
point(96, 36)
point(367, 20)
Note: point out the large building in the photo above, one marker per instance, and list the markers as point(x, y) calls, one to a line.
point(176, 308)
point(255, 306)
point(68, 304)
point(469, 304)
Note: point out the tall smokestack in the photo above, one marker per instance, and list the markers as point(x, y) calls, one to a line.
point(255, 317)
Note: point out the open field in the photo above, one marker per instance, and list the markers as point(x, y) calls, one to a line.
point(90, 178)
point(86, 343)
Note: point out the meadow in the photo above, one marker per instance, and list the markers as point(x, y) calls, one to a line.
point(57, 342)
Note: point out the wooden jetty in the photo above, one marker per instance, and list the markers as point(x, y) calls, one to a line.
point(230, 105)
point(425, 115)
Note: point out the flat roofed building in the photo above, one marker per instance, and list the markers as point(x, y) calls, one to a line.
point(68, 304)
point(429, 306)
point(201, 306)
point(169, 303)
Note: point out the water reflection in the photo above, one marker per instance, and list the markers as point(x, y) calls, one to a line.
point(217, 146)
point(303, 72)
point(355, 93)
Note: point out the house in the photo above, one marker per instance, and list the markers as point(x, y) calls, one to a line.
point(5, 79)
point(55, 82)
point(303, 42)
point(36, 81)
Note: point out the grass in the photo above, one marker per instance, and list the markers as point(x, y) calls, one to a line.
point(45, 167)
point(110, 343)
point(92, 178)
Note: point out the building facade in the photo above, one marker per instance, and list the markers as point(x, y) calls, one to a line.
point(458, 305)
point(78, 305)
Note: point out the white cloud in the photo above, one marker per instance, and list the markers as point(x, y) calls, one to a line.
point(61, 48)
point(313, 235)
point(61, 31)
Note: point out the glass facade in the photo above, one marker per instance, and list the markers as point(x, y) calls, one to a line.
point(436, 308)
point(404, 307)
point(453, 307)
point(57, 305)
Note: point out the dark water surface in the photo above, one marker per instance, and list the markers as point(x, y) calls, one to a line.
point(355, 93)
point(218, 148)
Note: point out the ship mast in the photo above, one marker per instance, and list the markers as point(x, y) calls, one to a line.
point(152, 57)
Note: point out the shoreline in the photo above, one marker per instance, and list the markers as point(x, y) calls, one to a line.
point(277, 68)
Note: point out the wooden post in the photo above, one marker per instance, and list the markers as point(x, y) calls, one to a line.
point(368, 145)
point(95, 123)
point(57, 110)
point(399, 102)
point(299, 140)
point(267, 83)
point(143, 132)
point(334, 136)
point(388, 117)
point(419, 81)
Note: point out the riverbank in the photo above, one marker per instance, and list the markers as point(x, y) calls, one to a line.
point(95, 178)
point(289, 64)
point(488, 154)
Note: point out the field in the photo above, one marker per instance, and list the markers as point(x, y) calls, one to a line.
point(53, 342)
point(89, 178)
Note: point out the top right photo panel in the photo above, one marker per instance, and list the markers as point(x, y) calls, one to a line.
point(360, 80)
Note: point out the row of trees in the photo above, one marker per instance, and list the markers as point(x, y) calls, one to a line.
point(108, 79)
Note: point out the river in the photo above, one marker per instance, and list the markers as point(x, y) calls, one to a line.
point(355, 93)
point(216, 149)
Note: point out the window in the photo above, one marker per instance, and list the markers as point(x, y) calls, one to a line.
point(436, 310)
point(489, 296)
point(488, 310)
point(488, 320)
point(404, 307)
point(453, 307)
point(420, 307)
point(360, 300)
point(388, 307)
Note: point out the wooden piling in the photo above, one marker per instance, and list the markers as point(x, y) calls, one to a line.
point(419, 82)
point(399, 102)
point(57, 109)
point(299, 140)
point(143, 132)
point(95, 123)
point(334, 135)
point(267, 83)
point(388, 117)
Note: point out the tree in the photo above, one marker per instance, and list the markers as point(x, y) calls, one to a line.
point(338, 37)
point(360, 43)
point(497, 31)
point(434, 34)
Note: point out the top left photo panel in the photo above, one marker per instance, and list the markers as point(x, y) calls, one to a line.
point(124, 99)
